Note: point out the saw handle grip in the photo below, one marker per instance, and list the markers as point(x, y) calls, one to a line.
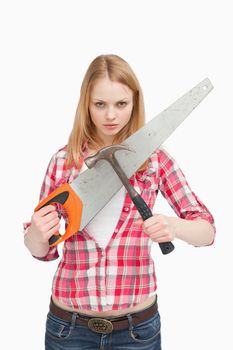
point(65, 196)
point(145, 212)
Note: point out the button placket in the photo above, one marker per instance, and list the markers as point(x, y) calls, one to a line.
point(102, 276)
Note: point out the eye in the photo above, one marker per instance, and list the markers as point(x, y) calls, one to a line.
point(99, 104)
point(122, 104)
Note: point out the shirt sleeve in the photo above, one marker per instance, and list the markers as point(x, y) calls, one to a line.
point(47, 187)
point(175, 188)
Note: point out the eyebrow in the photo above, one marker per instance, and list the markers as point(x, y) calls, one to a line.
point(101, 100)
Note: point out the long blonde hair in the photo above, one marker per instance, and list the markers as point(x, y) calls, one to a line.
point(84, 131)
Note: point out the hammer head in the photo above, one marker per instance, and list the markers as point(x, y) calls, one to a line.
point(106, 153)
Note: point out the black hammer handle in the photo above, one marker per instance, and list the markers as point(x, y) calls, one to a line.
point(145, 212)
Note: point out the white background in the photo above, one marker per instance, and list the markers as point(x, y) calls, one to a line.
point(46, 47)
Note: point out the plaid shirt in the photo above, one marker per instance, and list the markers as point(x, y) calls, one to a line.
point(123, 274)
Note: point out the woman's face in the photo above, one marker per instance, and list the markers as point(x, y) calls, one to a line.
point(110, 107)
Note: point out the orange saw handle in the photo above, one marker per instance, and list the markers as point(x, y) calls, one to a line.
point(73, 205)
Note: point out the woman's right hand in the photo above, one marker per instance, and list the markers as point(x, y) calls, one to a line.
point(44, 223)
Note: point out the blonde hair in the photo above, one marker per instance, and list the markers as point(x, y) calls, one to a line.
point(84, 131)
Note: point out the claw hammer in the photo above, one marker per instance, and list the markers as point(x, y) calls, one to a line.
point(108, 154)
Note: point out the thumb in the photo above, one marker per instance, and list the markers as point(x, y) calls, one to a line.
point(138, 221)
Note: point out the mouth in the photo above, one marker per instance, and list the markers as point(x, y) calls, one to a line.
point(110, 126)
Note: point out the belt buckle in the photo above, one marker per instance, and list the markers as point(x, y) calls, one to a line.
point(100, 325)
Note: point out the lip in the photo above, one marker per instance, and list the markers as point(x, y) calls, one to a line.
point(110, 126)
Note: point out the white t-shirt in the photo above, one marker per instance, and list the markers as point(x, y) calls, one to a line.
point(102, 226)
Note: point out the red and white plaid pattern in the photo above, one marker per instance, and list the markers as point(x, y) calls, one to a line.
point(122, 275)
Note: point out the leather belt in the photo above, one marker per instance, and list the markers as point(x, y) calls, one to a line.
point(108, 324)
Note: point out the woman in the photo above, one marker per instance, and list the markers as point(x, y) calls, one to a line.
point(104, 289)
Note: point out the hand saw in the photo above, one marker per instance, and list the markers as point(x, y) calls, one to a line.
point(91, 190)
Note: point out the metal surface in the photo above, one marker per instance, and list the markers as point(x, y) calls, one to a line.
point(100, 325)
point(144, 142)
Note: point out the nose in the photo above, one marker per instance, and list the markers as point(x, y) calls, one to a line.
point(111, 113)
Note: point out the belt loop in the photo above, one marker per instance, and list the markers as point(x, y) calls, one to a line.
point(130, 320)
point(73, 320)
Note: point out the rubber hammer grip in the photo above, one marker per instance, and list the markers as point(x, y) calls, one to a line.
point(145, 212)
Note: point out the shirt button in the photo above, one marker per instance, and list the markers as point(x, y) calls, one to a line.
point(126, 209)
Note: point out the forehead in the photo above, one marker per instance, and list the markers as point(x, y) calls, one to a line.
point(107, 90)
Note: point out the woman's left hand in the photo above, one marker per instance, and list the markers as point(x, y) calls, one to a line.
point(159, 227)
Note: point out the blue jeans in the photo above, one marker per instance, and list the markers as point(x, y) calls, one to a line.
point(64, 335)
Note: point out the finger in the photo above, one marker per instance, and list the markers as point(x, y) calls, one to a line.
point(163, 239)
point(159, 237)
point(47, 218)
point(52, 231)
point(50, 224)
point(154, 220)
point(149, 222)
point(138, 221)
point(155, 228)
point(45, 210)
